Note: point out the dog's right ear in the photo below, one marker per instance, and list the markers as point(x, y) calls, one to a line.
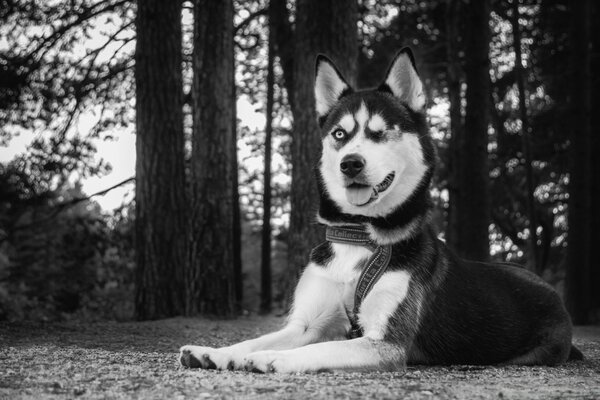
point(330, 86)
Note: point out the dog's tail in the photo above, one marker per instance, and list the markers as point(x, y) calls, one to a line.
point(575, 354)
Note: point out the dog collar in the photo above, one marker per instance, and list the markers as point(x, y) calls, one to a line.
point(372, 270)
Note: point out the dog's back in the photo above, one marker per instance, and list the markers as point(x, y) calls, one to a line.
point(482, 313)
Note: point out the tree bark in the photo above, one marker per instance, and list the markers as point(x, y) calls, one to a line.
point(453, 10)
point(160, 209)
point(594, 281)
point(238, 279)
point(210, 284)
point(579, 239)
point(329, 27)
point(283, 37)
point(265, 269)
point(473, 205)
point(525, 132)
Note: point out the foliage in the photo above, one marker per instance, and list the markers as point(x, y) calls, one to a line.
point(56, 262)
point(60, 61)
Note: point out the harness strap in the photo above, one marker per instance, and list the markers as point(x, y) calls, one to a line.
point(374, 267)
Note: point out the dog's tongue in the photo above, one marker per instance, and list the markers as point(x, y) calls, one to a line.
point(359, 195)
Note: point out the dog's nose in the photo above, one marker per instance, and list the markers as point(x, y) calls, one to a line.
point(351, 165)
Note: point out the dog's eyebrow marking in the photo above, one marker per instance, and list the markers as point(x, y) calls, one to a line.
point(377, 123)
point(347, 122)
point(362, 116)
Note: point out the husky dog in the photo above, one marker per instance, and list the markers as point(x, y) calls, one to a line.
point(425, 306)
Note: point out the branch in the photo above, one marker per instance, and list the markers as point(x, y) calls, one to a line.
point(78, 200)
point(83, 16)
point(60, 207)
point(249, 19)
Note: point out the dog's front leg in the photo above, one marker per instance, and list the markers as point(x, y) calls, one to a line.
point(317, 315)
point(389, 318)
point(362, 353)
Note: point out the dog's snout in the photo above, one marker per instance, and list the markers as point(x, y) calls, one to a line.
point(352, 164)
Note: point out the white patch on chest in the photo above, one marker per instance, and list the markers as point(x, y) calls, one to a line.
point(343, 270)
point(342, 267)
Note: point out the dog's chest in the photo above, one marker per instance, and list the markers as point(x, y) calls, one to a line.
point(345, 268)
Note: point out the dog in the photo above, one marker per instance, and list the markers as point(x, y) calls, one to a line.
point(383, 291)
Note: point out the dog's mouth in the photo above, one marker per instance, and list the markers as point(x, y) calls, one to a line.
point(360, 194)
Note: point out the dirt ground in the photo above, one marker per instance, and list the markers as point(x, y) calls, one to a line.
point(139, 360)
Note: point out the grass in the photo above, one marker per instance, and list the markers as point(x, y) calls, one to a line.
point(139, 360)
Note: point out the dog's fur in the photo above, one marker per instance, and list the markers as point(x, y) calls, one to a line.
point(429, 307)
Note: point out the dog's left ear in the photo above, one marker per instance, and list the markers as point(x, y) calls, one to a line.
point(403, 81)
point(330, 86)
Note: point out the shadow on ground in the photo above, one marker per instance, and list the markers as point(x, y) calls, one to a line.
point(139, 360)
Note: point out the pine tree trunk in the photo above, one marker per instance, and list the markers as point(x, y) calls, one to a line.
point(579, 239)
point(265, 269)
point(238, 279)
point(473, 205)
point(160, 209)
point(453, 10)
point(594, 281)
point(210, 284)
point(283, 36)
point(329, 27)
point(534, 263)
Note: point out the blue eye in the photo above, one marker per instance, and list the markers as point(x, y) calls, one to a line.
point(339, 134)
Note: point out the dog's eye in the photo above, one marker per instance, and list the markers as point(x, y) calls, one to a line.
point(339, 134)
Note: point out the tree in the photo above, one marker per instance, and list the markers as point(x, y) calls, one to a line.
point(328, 27)
point(238, 279)
point(265, 270)
point(454, 75)
point(595, 149)
point(209, 281)
point(161, 206)
point(580, 247)
point(282, 36)
point(525, 132)
point(473, 200)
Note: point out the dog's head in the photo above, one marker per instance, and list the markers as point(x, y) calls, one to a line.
point(376, 150)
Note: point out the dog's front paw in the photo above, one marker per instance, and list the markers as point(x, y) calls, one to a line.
point(270, 361)
point(207, 358)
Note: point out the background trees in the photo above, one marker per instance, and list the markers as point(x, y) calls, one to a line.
point(209, 279)
point(579, 254)
point(67, 80)
point(161, 206)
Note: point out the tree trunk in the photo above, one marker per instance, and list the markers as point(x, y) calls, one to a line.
point(456, 124)
point(209, 281)
point(265, 269)
point(579, 239)
point(594, 281)
point(238, 279)
point(283, 36)
point(329, 27)
point(473, 205)
point(160, 210)
point(519, 76)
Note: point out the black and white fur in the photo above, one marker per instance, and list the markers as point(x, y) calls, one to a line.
point(429, 307)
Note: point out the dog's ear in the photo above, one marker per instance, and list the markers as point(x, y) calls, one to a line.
point(330, 86)
point(403, 81)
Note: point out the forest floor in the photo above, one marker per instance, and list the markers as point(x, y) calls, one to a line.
point(139, 360)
